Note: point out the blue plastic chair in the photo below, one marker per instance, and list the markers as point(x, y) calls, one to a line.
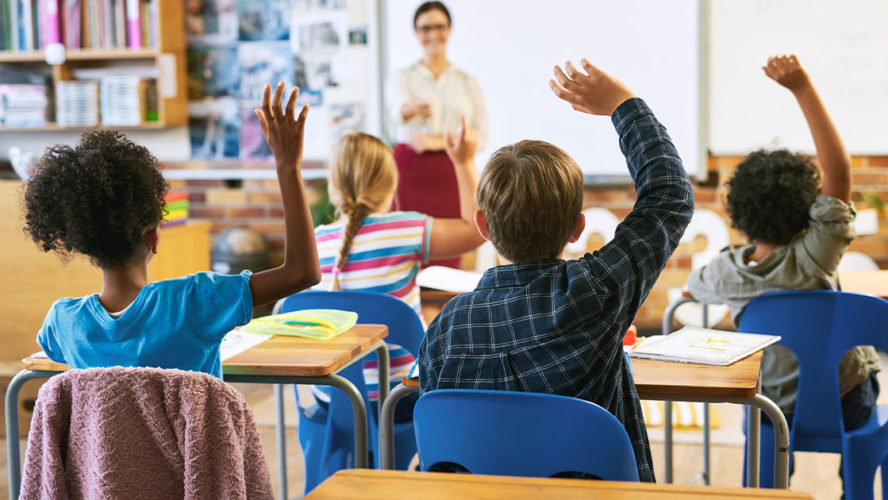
point(819, 327)
point(326, 435)
point(521, 434)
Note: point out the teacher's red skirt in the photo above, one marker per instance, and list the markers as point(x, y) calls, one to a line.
point(427, 184)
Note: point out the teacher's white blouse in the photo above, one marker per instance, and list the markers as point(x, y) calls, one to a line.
point(453, 94)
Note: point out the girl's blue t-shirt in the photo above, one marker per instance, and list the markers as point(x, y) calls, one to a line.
point(177, 323)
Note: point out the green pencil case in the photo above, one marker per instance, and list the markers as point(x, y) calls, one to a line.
point(320, 324)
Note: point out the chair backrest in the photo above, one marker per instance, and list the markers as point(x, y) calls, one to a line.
point(521, 434)
point(404, 326)
point(819, 326)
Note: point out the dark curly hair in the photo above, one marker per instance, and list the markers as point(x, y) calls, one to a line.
point(97, 198)
point(770, 194)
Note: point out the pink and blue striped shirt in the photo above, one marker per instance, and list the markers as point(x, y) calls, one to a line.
point(385, 257)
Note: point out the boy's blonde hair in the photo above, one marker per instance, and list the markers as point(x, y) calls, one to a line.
point(363, 177)
point(531, 193)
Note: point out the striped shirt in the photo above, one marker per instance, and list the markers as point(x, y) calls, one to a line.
point(385, 257)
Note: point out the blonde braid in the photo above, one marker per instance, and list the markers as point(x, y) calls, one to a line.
point(356, 215)
point(363, 177)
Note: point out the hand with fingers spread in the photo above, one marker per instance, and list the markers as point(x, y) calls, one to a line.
point(462, 145)
point(283, 130)
point(594, 92)
point(787, 71)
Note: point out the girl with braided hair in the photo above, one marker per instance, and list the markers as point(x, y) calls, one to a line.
point(372, 249)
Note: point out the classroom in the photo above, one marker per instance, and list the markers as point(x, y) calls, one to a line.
point(379, 189)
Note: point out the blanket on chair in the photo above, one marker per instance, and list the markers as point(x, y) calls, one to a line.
point(143, 433)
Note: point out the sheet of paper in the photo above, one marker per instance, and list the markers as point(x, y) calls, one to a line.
point(237, 341)
point(448, 279)
point(414, 370)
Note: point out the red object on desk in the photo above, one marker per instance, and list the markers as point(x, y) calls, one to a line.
point(631, 336)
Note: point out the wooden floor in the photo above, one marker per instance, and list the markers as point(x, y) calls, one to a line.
point(816, 473)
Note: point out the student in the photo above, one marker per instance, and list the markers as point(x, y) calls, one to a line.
point(798, 230)
point(373, 250)
point(542, 324)
point(104, 198)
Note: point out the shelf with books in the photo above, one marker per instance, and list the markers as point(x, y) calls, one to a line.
point(10, 56)
point(134, 51)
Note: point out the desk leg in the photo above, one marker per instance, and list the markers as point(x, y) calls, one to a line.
point(667, 439)
point(387, 426)
point(753, 440)
point(281, 437)
point(13, 452)
point(781, 439)
point(382, 356)
point(360, 415)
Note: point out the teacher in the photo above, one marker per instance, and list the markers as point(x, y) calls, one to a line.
point(429, 98)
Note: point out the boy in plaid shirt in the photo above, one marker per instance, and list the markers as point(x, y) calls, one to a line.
point(542, 324)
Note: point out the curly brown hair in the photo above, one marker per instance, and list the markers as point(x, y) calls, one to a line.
point(770, 194)
point(97, 198)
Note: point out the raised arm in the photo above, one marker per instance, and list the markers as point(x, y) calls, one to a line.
point(452, 237)
point(628, 266)
point(285, 131)
point(834, 160)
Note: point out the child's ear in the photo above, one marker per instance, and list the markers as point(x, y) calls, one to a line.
point(578, 230)
point(481, 224)
point(152, 237)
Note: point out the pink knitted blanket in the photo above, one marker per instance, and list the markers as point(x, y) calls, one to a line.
point(143, 433)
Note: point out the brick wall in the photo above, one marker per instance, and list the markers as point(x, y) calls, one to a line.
point(257, 204)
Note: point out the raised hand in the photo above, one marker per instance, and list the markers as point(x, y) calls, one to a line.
point(594, 92)
point(462, 145)
point(284, 131)
point(787, 71)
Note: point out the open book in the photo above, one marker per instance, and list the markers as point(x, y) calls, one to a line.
point(702, 345)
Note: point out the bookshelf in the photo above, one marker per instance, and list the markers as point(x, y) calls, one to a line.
point(166, 59)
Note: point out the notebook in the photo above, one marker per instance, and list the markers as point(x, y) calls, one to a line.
point(702, 345)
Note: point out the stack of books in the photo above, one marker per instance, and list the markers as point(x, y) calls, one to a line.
point(77, 103)
point(176, 206)
point(122, 100)
point(23, 105)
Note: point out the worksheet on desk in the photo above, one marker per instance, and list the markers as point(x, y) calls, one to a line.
point(702, 345)
point(237, 341)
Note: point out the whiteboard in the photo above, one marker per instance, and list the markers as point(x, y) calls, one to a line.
point(842, 44)
point(510, 46)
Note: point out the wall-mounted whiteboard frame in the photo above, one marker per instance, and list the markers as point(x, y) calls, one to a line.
point(844, 47)
point(656, 48)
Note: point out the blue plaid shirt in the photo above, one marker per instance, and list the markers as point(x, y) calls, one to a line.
point(555, 326)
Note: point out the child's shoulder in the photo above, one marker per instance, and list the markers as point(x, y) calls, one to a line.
point(198, 280)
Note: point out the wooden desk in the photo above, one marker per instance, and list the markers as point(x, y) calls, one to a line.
point(279, 360)
point(869, 282)
point(395, 485)
point(660, 380)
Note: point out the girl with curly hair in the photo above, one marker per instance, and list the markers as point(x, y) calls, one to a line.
point(104, 199)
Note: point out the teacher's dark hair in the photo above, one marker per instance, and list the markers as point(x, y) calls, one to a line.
point(427, 6)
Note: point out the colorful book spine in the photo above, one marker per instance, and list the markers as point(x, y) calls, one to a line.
point(26, 27)
point(49, 23)
point(134, 24)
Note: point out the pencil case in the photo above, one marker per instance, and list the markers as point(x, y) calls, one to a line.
point(320, 324)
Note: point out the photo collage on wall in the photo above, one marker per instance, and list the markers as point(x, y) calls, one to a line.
point(236, 46)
